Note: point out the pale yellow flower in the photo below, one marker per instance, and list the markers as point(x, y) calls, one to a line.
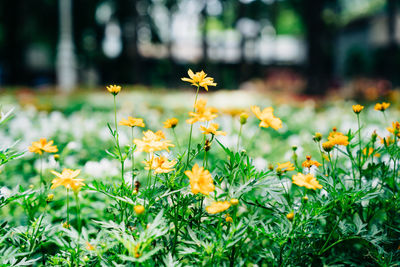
point(306, 180)
point(67, 179)
point(202, 113)
point(285, 167)
point(267, 117)
point(132, 122)
point(217, 207)
point(200, 180)
point(199, 79)
point(152, 142)
point(212, 129)
point(43, 146)
point(160, 165)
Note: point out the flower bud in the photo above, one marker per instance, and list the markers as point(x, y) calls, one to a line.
point(243, 118)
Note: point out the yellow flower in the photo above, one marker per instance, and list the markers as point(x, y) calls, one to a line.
point(66, 225)
point(395, 129)
point(357, 108)
point(90, 246)
point(132, 122)
point(139, 209)
point(370, 151)
point(386, 140)
point(170, 123)
point(228, 218)
point(160, 165)
point(114, 89)
point(381, 106)
point(152, 142)
point(67, 179)
point(307, 180)
point(43, 146)
point(328, 146)
point(317, 137)
point(199, 79)
point(200, 180)
point(50, 197)
point(290, 216)
point(234, 201)
point(202, 113)
point(285, 167)
point(309, 162)
point(217, 207)
point(243, 118)
point(212, 129)
point(337, 138)
point(267, 117)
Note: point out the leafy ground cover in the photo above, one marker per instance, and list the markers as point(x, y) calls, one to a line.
point(215, 179)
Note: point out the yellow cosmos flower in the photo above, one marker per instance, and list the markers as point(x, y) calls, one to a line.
point(309, 162)
point(267, 117)
point(382, 106)
point(212, 129)
point(228, 218)
point(395, 129)
point(200, 180)
point(285, 167)
point(114, 89)
point(171, 123)
point(306, 180)
point(139, 209)
point(357, 108)
point(317, 137)
point(328, 146)
point(202, 113)
point(43, 146)
point(217, 207)
point(67, 179)
point(132, 122)
point(338, 138)
point(290, 216)
point(234, 201)
point(370, 151)
point(199, 79)
point(90, 246)
point(386, 140)
point(160, 165)
point(152, 142)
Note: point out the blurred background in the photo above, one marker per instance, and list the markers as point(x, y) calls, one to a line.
point(300, 46)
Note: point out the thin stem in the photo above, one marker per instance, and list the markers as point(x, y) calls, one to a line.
point(132, 158)
point(191, 127)
point(67, 206)
point(117, 141)
point(359, 142)
point(78, 212)
point(41, 170)
point(176, 139)
point(240, 134)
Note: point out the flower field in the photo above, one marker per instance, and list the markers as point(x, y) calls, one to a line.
point(155, 178)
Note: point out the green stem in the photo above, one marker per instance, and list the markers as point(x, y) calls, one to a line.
point(67, 206)
point(78, 213)
point(117, 141)
point(240, 134)
point(191, 127)
point(176, 139)
point(359, 142)
point(132, 158)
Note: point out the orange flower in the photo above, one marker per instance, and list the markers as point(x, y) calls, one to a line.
point(308, 181)
point(43, 146)
point(90, 246)
point(199, 79)
point(395, 129)
point(170, 123)
point(267, 117)
point(217, 207)
point(152, 142)
point(139, 209)
point(67, 179)
point(357, 108)
point(309, 162)
point(200, 180)
point(381, 106)
point(337, 138)
point(212, 129)
point(132, 122)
